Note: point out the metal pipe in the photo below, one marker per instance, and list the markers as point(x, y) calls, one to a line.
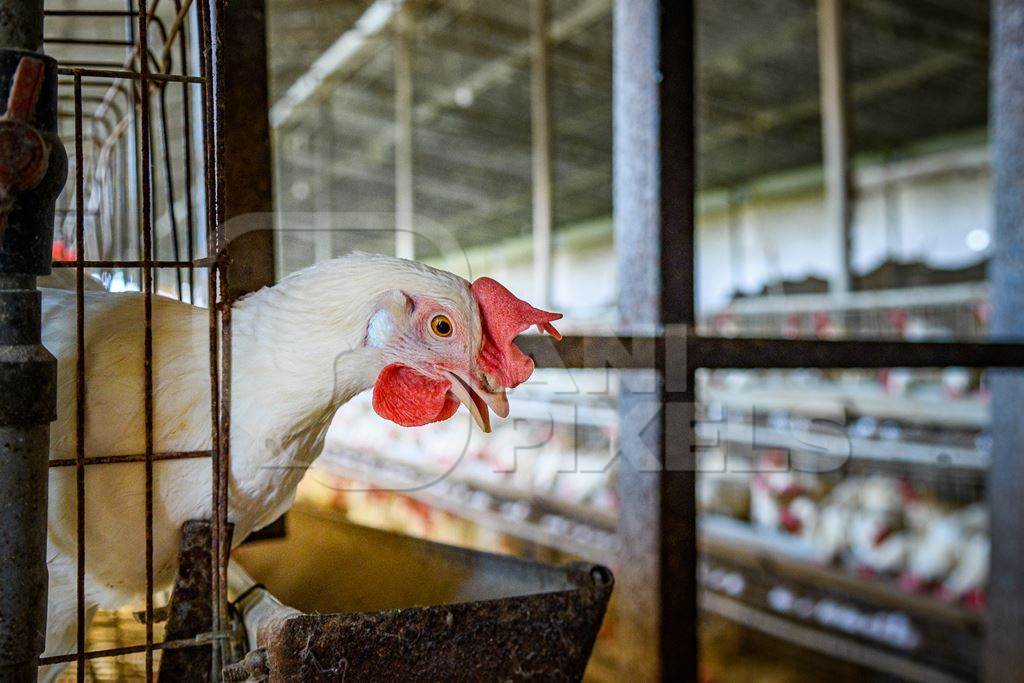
point(28, 373)
point(541, 131)
point(835, 138)
point(1005, 628)
point(653, 186)
point(405, 236)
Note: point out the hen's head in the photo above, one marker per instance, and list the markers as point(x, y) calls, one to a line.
point(443, 341)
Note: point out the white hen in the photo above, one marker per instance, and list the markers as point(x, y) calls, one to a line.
point(422, 338)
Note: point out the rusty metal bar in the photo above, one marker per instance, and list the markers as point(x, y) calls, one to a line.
point(211, 121)
point(80, 386)
point(115, 14)
point(28, 83)
point(653, 185)
point(221, 462)
point(122, 74)
point(247, 209)
point(133, 457)
point(191, 604)
point(1005, 615)
point(129, 650)
point(88, 41)
point(132, 263)
point(147, 291)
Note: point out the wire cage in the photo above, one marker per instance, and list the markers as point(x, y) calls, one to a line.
point(142, 211)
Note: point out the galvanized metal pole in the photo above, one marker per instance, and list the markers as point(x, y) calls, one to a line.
point(736, 246)
point(1004, 656)
point(835, 136)
point(34, 169)
point(323, 236)
point(541, 131)
point(653, 168)
point(405, 237)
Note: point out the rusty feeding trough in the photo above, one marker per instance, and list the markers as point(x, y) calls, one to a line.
point(368, 605)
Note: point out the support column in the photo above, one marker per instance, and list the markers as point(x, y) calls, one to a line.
point(405, 237)
point(1004, 656)
point(323, 181)
point(34, 167)
point(737, 246)
point(653, 165)
point(245, 135)
point(835, 139)
point(541, 132)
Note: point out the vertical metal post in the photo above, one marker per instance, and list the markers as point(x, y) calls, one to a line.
point(405, 237)
point(323, 237)
point(653, 167)
point(541, 132)
point(235, 103)
point(1004, 656)
point(245, 134)
point(736, 247)
point(835, 138)
point(28, 373)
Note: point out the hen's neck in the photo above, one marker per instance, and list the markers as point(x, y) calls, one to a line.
point(296, 358)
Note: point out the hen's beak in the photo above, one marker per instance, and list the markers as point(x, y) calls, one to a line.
point(478, 400)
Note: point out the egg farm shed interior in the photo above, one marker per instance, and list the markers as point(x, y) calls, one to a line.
point(820, 192)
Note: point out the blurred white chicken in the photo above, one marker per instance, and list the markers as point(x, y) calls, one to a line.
point(782, 497)
point(968, 580)
point(871, 522)
point(423, 339)
point(942, 548)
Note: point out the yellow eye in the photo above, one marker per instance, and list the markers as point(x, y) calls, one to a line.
point(441, 326)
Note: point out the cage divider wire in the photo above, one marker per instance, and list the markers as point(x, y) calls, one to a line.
point(138, 168)
point(220, 367)
point(80, 387)
point(147, 291)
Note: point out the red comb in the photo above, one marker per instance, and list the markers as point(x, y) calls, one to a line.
point(505, 317)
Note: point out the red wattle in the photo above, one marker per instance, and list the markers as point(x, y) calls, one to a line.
point(505, 317)
point(411, 399)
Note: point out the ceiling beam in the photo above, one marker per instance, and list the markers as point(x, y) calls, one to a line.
point(340, 54)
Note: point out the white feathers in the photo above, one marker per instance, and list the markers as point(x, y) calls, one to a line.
point(298, 354)
point(380, 329)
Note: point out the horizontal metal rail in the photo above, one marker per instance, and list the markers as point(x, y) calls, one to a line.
point(130, 75)
point(117, 14)
point(138, 263)
point(127, 650)
point(134, 457)
point(697, 351)
point(93, 42)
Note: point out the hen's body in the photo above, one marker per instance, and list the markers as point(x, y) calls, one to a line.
point(297, 355)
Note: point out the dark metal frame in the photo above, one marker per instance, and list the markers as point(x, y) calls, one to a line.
point(144, 76)
point(1005, 618)
point(654, 197)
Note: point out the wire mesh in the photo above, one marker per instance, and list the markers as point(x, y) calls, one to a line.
point(138, 106)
